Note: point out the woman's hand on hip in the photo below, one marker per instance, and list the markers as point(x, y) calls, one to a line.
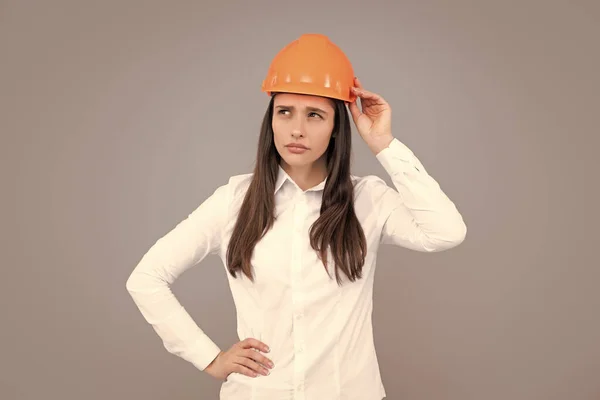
point(242, 358)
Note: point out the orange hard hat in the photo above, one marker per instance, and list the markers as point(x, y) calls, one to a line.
point(311, 64)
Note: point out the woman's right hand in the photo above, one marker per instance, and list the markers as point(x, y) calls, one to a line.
point(242, 358)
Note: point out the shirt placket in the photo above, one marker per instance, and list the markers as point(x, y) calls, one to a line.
point(299, 331)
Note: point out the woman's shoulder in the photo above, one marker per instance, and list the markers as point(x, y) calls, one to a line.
point(367, 182)
point(237, 186)
point(236, 181)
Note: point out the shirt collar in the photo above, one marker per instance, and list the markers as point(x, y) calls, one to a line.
point(282, 177)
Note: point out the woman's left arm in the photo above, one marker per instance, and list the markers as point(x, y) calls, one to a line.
point(417, 215)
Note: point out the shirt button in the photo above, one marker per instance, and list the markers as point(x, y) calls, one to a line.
point(299, 316)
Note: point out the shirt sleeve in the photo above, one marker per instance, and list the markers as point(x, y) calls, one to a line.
point(186, 245)
point(417, 215)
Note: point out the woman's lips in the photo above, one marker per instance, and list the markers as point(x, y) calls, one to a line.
point(296, 150)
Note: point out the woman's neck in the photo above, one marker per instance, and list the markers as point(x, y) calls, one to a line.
point(308, 176)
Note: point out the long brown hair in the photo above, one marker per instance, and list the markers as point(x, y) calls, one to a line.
point(337, 226)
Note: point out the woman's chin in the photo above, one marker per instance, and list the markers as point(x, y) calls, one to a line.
point(296, 161)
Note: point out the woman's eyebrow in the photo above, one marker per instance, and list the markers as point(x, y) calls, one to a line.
point(308, 108)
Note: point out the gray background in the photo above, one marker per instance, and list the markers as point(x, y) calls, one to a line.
point(118, 118)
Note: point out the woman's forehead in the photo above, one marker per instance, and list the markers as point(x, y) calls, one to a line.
point(302, 100)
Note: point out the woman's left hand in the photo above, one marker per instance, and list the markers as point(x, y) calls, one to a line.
point(374, 123)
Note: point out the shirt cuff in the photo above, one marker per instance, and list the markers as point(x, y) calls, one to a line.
point(207, 351)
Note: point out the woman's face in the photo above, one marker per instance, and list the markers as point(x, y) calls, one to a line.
point(302, 119)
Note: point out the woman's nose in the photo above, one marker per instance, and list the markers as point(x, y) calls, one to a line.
point(297, 127)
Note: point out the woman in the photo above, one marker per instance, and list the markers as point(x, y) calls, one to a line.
point(299, 237)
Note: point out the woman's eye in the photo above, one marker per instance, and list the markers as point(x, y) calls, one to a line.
point(282, 112)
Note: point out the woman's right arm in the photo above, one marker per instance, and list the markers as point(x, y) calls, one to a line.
point(186, 245)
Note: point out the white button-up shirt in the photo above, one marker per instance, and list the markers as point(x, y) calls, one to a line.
point(320, 334)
